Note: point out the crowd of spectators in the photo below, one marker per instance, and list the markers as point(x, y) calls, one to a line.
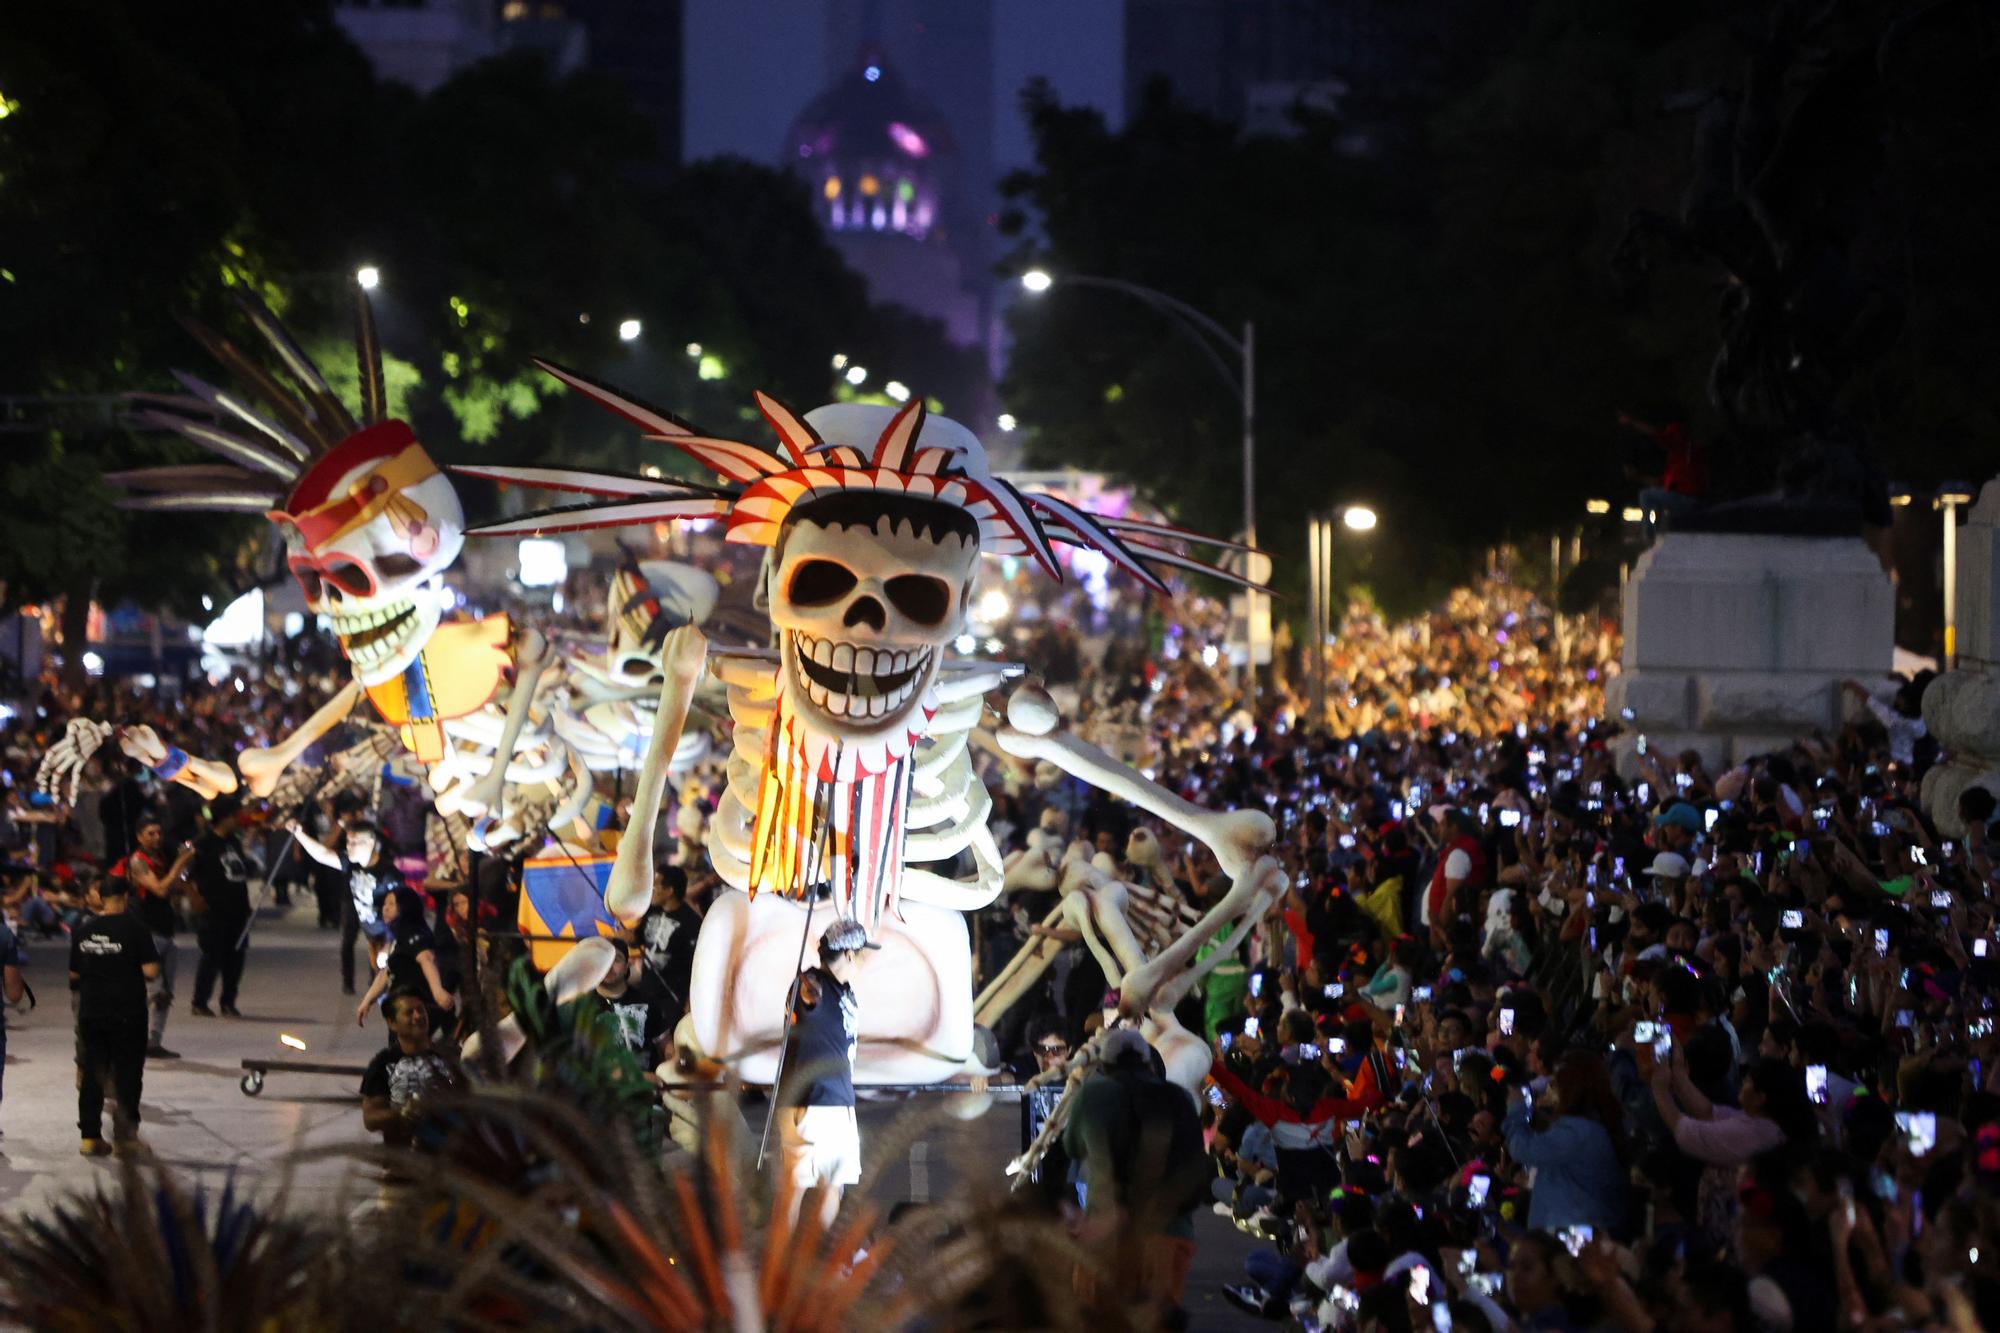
point(1536, 1043)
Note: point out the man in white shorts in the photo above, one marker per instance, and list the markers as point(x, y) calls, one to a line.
point(818, 1137)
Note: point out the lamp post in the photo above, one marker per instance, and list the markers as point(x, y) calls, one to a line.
point(1950, 496)
point(1200, 329)
point(1357, 519)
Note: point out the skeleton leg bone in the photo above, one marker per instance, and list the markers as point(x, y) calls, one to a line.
point(531, 658)
point(630, 888)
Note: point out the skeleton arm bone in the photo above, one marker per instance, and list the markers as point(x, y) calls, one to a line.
point(630, 888)
point(261, 768)
point(1236, 837)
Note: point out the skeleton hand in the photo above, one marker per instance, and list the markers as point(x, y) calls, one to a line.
point(62, 767)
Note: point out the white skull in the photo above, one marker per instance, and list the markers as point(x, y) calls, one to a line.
point(378, 585)
point(866, 611)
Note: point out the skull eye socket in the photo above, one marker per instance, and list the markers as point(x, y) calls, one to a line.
point(350, 577)
point(920, 597)
point(820, 583)
point(397, 566)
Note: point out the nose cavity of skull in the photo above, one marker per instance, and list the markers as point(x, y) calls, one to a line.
point(866, 610)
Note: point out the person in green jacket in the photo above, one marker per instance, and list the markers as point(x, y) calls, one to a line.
point(1222, 990)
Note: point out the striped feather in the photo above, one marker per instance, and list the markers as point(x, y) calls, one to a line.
point(216, 440)
point(368, 359)
point(585, 482)
point(893, 449)
point(186, 476)
point(325, 404)
point(291, 411)
point(581, 518)
point(233, 502)
point(732, 458)
point(1114, 550)
point(640, 413)
point(1014, 515)
point(1150, 528)
point(1148, 551)
point(248, 415)
point(797, 437)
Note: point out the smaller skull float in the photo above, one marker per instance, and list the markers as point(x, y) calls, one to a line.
point(369, 522)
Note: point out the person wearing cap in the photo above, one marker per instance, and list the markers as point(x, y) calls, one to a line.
point(1668, 872)
point(1675, 829)
point(222, 875)
point(819, 1138)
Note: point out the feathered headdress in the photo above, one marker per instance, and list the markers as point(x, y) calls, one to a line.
point(285, 445)
point(761, 488)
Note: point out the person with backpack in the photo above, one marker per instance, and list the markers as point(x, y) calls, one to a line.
point(1136, 1143)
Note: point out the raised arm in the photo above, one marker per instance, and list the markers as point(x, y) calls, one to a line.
point(314, 848)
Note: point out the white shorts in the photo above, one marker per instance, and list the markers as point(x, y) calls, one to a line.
point(820, 1145)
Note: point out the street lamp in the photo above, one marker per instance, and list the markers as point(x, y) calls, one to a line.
point(629, 330)
point(856, 375)
point(1206, 334)
point(369, 277)
point(897, 390)
point(1006, 421)
point(1950, 496)
point(1358, 518)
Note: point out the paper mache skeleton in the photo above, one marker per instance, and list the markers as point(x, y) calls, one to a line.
point(850, 785)
point(506, 732)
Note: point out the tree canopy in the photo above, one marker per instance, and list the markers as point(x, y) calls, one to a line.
point(155, 160)
point(1449, 330)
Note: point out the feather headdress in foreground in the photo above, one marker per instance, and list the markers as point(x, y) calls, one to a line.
point(760, 488)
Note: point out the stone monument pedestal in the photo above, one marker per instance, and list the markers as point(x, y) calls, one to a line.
point(1736, 644)
point(1962, 706)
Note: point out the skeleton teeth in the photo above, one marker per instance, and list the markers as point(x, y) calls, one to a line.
point(843, 657)
point(864, 661)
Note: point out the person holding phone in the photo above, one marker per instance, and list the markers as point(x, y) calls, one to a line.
point(1579, 1160)
point(1774, 1111)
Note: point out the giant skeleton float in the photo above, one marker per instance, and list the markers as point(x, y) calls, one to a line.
point(850, 783)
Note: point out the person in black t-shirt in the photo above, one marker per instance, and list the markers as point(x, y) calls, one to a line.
point(412, 963)
point(666, 935)
point(819, 1139)
point(111, 958)
point(646, 1013)
point(406, 1074)
point(222, 876)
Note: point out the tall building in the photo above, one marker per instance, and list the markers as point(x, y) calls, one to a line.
point(884, 166)
point(766, 81)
